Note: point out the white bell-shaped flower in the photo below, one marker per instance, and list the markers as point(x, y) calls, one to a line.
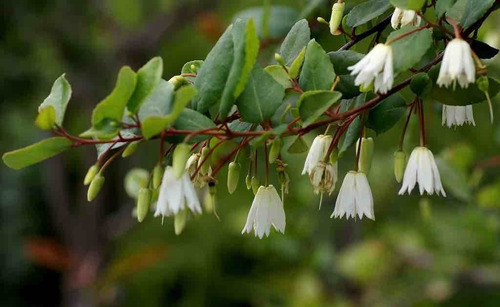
point(422, 169)
point(176, 195)
point(266, 211)
point(458, 115)
point(401, 18)
point(457, 65)
point(324, 177)
point(317, 153)
point(355, 197)
point(376, 67)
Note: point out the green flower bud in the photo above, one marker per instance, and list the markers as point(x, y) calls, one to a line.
point(322, 20)
point(483, 83)
point(279, 59)
point(131, 149)
point(179, 158)
point(367, 89)
point(275, 150)
point(248, 182)
point(233, 176)
point(421, 85)
point(336, 19)
point(177, 81)
point(399, 165)
point(180, 221)
point(95, 187)
point(93, 170)
point(366, 155)
point(157, 176)
point(205, 168)
point(143, 203)
point(255, 184)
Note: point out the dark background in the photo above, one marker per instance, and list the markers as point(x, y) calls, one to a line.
point(57, 249)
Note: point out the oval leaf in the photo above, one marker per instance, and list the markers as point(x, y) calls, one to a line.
point(317, 72)
point(148, 78)
point(314, 103)
point(58, 98)
point(408, 51)
point(35, 153)
point(367, 11)
point(298, 38)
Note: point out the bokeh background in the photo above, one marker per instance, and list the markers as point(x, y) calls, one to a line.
point(57, 249)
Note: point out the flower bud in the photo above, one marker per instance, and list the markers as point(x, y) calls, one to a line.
point(131, 149)
point(212, 190)
point(399, 165)
point(279, 59)
point(248, 182)
point(180, 221)
point(205, 168)
point(255, 184)
point(143, 203)
point(179, 158)
point(366, 155)
point(233, 176)
point(177, 81)
point(95, 187)
point(483, 83)
point(93, 170)
point(275, 150)
point(157, 176)
point(322, 20)
point(367, 89)
point(336, 18)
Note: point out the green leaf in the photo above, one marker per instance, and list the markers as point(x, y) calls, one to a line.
point(457, 11)
point(46, 118)
point(159, 103)
point(104, 130)
point(408, 51)
point(343, 59)
point(313, 104)
point(193, 120)
point(102, 148)
point(262, 96)
point(298, 38)
point(113, 106)
point(454, 181)
point(366, 11)
point(442, 6)
point(246, 49)
point(317, 72)
point(187, 68)
point(297, 64)
point(297, 145)
point(354, 130)
point(460, 96)
point(154, 124)
point(35, 153)
point(421, 85)
point(213, 75)
point(474, 11)
point(148, 78)
point(58, 98)
point(415, 5)
point(386, 114)
point(280, 20)
point(279, 74)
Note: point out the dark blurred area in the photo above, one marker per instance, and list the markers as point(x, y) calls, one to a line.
point(57, 249)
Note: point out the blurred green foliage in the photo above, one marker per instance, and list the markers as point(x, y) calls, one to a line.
point(419, 252)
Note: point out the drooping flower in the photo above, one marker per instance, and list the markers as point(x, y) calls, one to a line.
point(401, 18)
point(457, 65)
point(324, 177)
point(176, 195)
point(458, 115)
point(422, 169)
point(266, 211)
point(376, 67)
point(317, 153)
point(355, 197)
